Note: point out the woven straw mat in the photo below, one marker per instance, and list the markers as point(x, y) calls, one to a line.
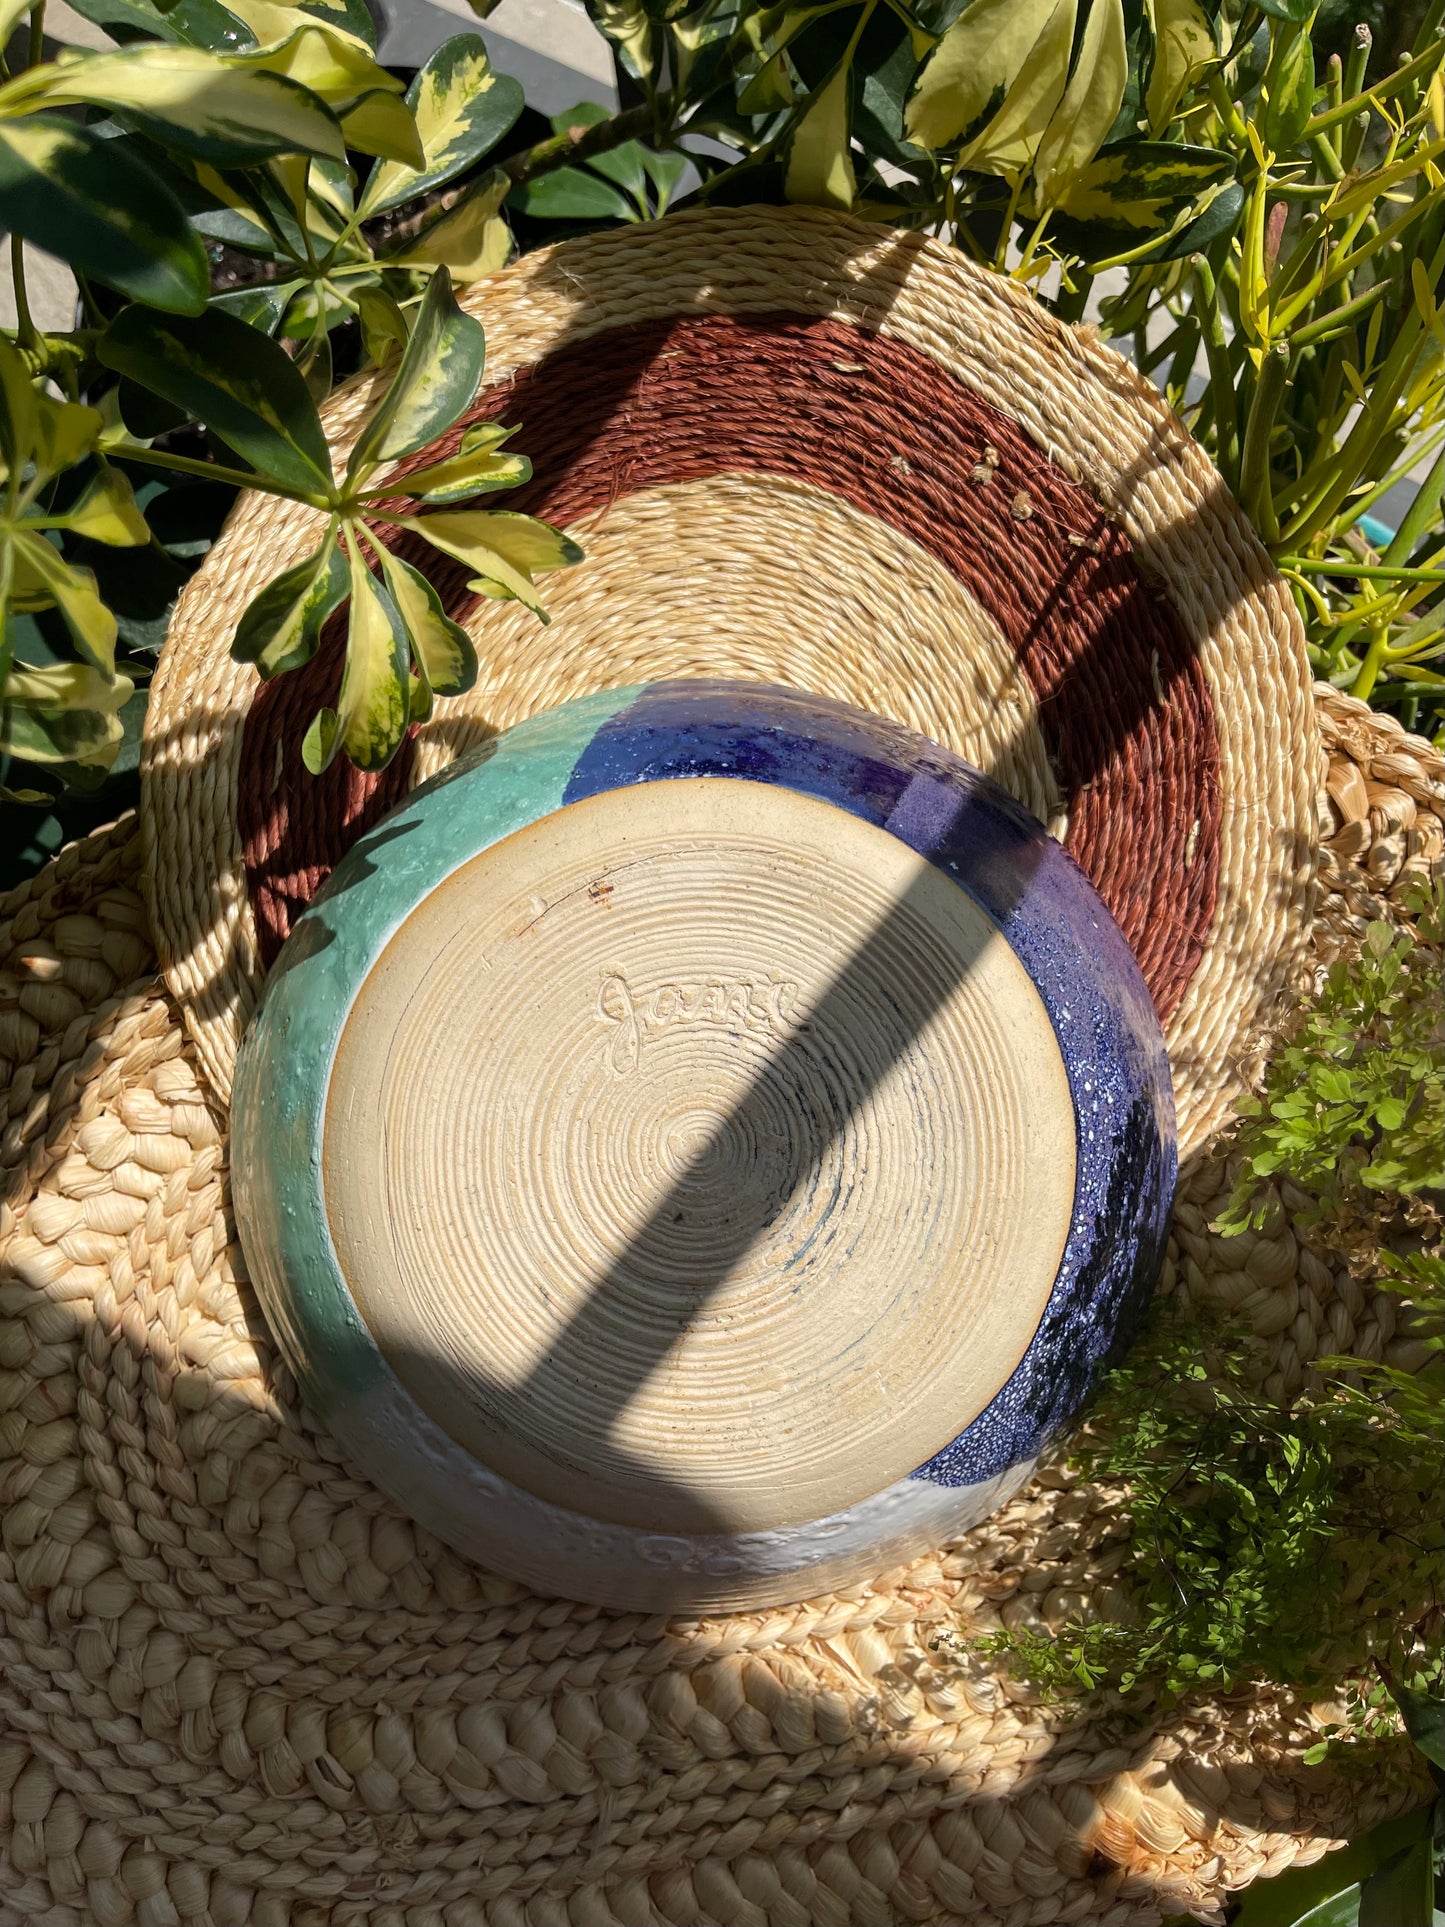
point(804, 450)
point(240, 1687)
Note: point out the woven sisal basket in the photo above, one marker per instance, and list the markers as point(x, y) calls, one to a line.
point(804, 451)
point(239, 1686)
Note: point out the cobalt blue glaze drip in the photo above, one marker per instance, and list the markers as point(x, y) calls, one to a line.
point(1103, 1018)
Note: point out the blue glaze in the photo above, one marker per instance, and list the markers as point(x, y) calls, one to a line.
point(927, 797)
point(284, 1064)
point(1085, 973)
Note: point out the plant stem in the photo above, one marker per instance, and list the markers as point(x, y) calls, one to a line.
point(1362, 504)
point(24, 326)
point(1367, 571)
point(580, 144)
point(1072, 301)
point(1033, 241)
point(1422, 513)
point(1254, 490)
point(1176, 383)
point(1384, 89)
point(213, 472)
point(1374, 662)
point(1226, 109)
point(1354, 76)
point(1347, 463)
point(1000, 259)
point(1341, 317)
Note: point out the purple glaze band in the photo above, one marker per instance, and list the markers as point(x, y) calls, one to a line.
point(1055, 922)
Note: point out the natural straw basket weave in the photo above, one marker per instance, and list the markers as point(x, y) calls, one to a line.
point(239, 1687)
point(811, 452)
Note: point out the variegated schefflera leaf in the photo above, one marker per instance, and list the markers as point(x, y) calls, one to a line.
point(402, 648)
point(1162, 198)
point(909, 112)
point(1030, 92)
point(58, 712)
point(301, 89)
point(462, 107)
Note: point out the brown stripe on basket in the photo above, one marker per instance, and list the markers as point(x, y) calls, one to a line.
point(1123, 704)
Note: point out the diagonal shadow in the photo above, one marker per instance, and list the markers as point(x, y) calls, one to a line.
point(813, 1084)
point(783, 1126)
point(1086, 685)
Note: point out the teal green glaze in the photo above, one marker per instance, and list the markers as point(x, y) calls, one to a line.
point(284, 1065)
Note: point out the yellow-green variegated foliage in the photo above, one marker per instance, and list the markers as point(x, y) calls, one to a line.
point(999, 88)
point(57, 712)
point(461, 108)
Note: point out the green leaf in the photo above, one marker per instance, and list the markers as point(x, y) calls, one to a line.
point(1327, 1894)
point(272, 23)
point(72, 193)
point(1135, 189)
point(664, 171)
point(503, 550)
point(571, 194)
point(627, 26)
point(381, 124)
point(441, 648)
point(383, 325)
point(1290, 87)
point(770, 86)
point(478, 472)
point(438, 377)
point(220, 110)
point(1297, 10)
point(819, 169)
point(1091, 100)
point(107, 512)
point(969, 73)
point(281, 626)
point(338, 67)
point(308, 203)
point(462, 108)
point(884, 69)
point(73, 591)
point(352, 17)
point(1009, 141)
point(1401, 1893)
point(199, 23)
point(373, 709)
point(1219, 214)
point(19, 407)
point(484, 435)
point(64, 431)
point(318, 745)
point(471, 240)
point(625, 167)
point(11, 13)
point(260, 306)
point(65, 712)
point(1184, 50)
point(234, 379)
point(1424, 1721)
point(305, 321)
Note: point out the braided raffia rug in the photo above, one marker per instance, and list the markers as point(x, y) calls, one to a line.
point(240, 1687)
point(804, 450)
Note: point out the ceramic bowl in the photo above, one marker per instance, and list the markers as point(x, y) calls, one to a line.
point(700, 1149)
